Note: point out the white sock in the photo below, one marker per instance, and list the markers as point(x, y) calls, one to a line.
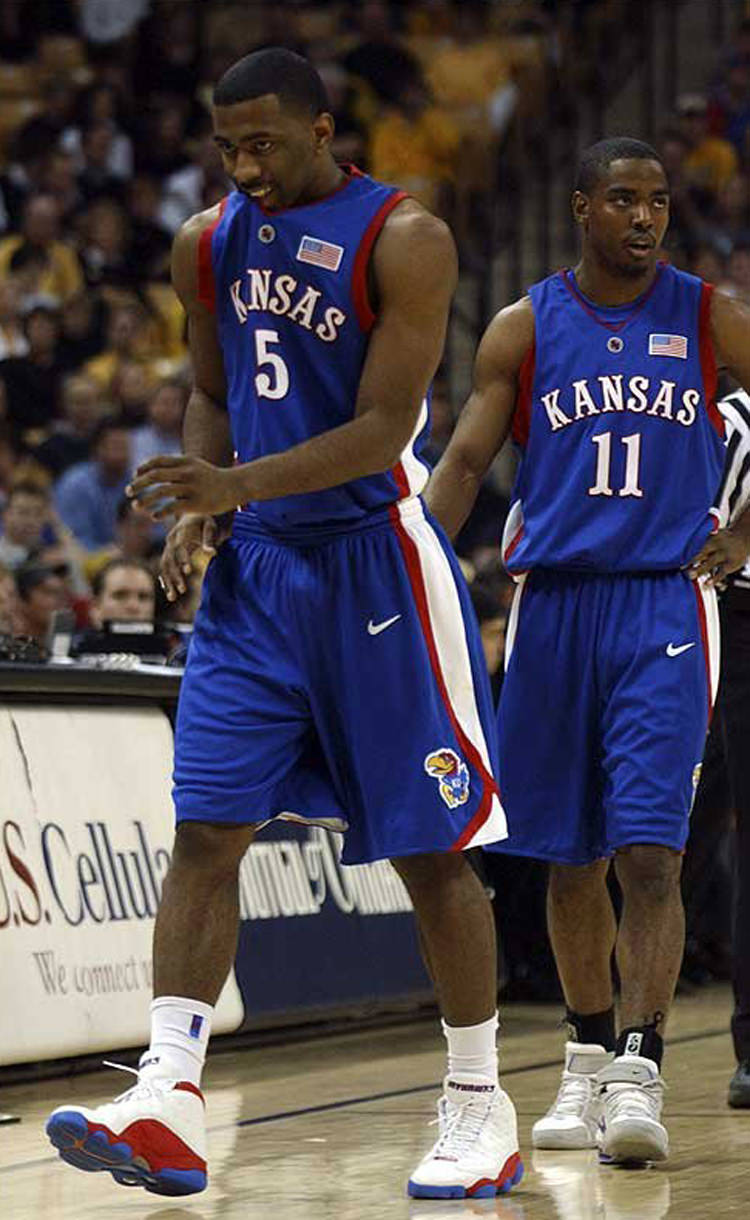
point(472, 1050)
point(180, 1029)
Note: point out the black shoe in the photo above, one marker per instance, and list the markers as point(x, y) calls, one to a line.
point(739, 1087)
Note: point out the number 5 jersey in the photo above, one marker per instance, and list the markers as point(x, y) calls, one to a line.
point(292, 302)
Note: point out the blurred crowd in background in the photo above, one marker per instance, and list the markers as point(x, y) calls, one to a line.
point(106, 148)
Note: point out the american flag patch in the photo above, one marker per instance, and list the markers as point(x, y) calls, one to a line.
point(668, 345)
point(320, 253)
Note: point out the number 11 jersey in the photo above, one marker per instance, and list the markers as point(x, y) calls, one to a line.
point(290, 293)
point(619, 432)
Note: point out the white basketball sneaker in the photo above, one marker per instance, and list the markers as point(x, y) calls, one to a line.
point(631, 1092)
point(154, 1136)
point(571, 1121)
point(476, 1154)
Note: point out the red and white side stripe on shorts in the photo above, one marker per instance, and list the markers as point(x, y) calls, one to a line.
point(434, 587)
point(708, 620)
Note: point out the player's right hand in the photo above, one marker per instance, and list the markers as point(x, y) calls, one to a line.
point(191, 533)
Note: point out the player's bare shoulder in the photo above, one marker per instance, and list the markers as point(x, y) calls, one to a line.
point(185, 253)
point(415, 244)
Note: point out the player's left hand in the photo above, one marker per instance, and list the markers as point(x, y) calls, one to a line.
point(171, 486)
point(723, 553)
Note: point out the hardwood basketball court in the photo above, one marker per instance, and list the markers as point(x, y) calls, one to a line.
point(329, 1129)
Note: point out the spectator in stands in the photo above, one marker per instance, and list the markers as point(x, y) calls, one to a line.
point(711, 161)
point(738, 268)
point(131, 389)
point(88, 493)
point(106, 253)
point(136, 537)
point(62, 559)
point(150, 240)
point(41, 227)
point(163, 432)
point(24, 517)
point(124, 592)
point(27, 268)
point(32, 381)
point(100, 103)
point(380, 57)
point(70, 440)
point(491, 616)
point(8, 607)
point(83, 323)
point(729, 110)
point(95, 178)
point(40, 593)
point(416, 146)
point(124, 343)
point(186, 191)
point(13, 341)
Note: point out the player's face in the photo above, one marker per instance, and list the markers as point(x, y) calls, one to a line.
point(271, 154)
point(626, 215)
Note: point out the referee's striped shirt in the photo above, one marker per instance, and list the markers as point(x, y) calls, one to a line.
point(734, 492)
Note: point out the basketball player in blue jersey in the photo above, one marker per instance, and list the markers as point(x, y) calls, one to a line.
point(606, 375)
point(336, 673)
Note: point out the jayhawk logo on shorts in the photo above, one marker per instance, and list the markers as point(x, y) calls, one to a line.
point(452, 775)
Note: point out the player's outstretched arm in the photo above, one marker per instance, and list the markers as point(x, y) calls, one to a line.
point(727, 550)
point(485, 419)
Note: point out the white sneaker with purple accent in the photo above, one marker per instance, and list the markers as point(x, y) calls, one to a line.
point(154, 1136)
point(631, 1093)
point(571, 1121)
point(476, 1154)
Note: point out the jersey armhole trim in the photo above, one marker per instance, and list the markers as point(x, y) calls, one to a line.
point(522, 412)
point(206, 280)
point(362, 305)
point(708, 359)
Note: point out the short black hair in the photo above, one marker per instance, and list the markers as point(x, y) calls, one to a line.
point(109, 423)
point(29, 575)
point(596, 159)
point(292, 78)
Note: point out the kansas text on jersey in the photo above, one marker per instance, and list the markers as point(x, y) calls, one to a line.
point(289, 289)
point(618, 430)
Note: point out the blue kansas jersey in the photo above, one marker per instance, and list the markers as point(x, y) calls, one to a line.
point(289, 289)
point(619, 432)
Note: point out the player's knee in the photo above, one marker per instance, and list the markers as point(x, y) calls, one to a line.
point(212, 849)
point(649, 873)
point(571, 882)
point(430, 869)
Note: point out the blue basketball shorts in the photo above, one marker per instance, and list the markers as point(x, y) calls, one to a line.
point(341, 681)
point(609, 685)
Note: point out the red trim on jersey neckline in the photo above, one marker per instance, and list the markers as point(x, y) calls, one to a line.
point(590, 308)
point(416, 580)
point(351, 173)
point(708, 359)
point(206, 281)
point(363, 309)
point(522, 412)
point(704, 640)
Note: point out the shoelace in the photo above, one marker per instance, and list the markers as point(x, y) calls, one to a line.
point(142, 1088)
point(645, 1099)
point(460, 1126)
point(574, 1094)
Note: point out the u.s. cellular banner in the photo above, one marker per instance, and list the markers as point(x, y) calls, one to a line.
point(85, 841)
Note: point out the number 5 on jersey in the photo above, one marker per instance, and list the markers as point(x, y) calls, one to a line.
point(273, 383)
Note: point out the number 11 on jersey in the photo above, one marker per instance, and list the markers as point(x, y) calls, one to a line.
point(603, 444)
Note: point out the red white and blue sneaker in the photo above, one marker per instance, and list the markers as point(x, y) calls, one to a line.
point(154, 1136)
point(476, 1154)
